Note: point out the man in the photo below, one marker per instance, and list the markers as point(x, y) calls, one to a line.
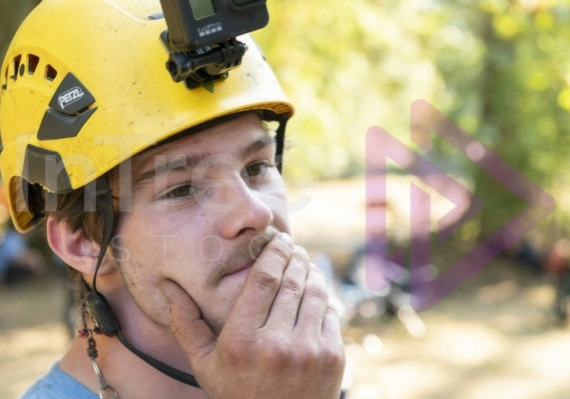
point(168, 206)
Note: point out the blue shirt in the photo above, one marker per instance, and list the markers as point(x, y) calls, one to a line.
point(57, 384)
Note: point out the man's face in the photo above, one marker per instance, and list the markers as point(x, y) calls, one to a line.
point(201, 209)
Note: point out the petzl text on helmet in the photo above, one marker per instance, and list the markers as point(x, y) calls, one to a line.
point(201, 37)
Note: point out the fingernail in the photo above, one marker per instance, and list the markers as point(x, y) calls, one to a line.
point(301, 251)
point(286, 238)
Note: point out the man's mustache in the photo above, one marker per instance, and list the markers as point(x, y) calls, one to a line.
point(241, 256)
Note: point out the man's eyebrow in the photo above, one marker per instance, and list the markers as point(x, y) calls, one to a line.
point(180, 163)
point(188, 162)
point(257, 145)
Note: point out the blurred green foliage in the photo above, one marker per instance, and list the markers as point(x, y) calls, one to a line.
point(498, 68)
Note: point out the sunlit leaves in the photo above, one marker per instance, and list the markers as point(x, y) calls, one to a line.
point(499, 68)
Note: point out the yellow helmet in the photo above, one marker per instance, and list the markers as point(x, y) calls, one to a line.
point(84, 86)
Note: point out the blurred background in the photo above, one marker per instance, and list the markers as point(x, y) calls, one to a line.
point(500, 70)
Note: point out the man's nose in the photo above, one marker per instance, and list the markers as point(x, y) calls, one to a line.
point(240, 209)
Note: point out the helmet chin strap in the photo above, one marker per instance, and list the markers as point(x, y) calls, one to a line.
point(97, 305)
point(280, 142)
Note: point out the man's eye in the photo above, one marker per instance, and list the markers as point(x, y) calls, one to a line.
point(258, 169)
point(180, 191)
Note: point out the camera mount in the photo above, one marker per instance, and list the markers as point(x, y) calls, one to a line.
point(204, 66)
point(202, 37)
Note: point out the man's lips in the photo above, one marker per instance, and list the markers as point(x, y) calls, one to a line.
point(241, 268)
point(242, 258)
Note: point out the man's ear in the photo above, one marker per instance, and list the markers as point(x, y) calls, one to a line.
point(73, 248)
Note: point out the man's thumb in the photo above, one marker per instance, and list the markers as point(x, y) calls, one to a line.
point(187, 325)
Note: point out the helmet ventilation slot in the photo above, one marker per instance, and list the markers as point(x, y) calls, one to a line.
point(51, 73)
point(19, 66)
point(17, 63)
point(33, 61)
point(5, 80)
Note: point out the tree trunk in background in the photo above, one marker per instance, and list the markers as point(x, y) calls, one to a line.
point(499, 130)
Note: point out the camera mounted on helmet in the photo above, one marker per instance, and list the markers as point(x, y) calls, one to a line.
point(201, 37)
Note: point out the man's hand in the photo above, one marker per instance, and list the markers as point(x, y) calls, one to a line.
point(281, 339)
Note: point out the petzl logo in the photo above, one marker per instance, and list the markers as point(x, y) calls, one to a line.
point(381, 146)
point(70, 96)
